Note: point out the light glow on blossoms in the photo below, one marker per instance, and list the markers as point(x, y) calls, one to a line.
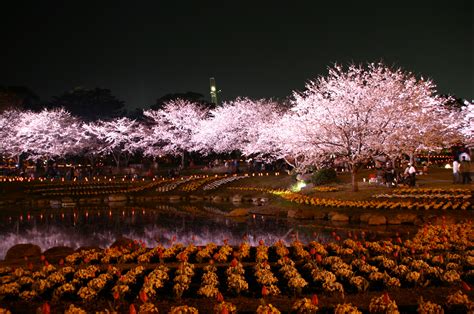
point(172, 128)
point(349, 116)
point(358, 113)
point(236, 126)
point(467, 114)
point(118, 137)
point(45, 134)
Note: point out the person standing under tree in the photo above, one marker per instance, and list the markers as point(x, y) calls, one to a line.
point(465, 169)
point(456, 178)
point(410, 173)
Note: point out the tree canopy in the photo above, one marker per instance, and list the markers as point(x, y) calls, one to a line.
point(353, 115)
point(18, 97)
point(90, 104)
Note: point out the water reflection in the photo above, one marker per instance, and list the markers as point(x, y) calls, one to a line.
point(102, 226)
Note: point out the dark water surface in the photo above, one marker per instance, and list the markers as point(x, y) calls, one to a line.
point(101, 226)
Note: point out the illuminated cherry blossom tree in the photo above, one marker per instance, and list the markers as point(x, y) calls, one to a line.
point(467, 118)
point(89, 145)
point(46, 134)
point(432, 128)
point(236, 126)
point(358, 113)
point(350, 115)
point(283, 139)
point(117, 137)
point(172, 128)
point(11, 145)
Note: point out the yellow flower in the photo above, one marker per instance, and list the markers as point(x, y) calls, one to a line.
point(146, 308)
point(219, 307)
point(304, 306)
point(457, 298)
point(427, 307)
point(267, 309)
point(346, 308)
point(74, 310)
point(183, 309)
point(383, 304)
point(4, 311)
point(28, 295)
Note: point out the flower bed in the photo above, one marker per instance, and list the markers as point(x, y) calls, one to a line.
point(460, 202)
point(216, 184)
point(326, 189)
point(93, 188)
point(424, 193)
point(437, 257)
point(196, 184)
point(173, 185)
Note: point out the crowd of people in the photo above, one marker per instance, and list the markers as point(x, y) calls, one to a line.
point(392, 176)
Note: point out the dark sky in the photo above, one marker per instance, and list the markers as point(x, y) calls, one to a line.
point(142, 50)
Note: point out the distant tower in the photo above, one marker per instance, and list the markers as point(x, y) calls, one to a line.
point(212, 83)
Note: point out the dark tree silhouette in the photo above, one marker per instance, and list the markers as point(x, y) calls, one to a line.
point(18, 97)
point(90, 104)
point(136, 114)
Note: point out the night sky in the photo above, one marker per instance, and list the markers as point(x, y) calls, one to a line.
point(142, 50)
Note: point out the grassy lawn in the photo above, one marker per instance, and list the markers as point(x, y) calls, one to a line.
point(436, 178)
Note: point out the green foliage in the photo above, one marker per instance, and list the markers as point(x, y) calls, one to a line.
point(324, 176)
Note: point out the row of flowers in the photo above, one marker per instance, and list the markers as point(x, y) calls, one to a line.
point(84, 187)
point(455, 191)
point(196, 184)
point(173, 184)
point(457, 203)
point(209, 282)
point(236, 282)
point(444, 238)
point(305, 199)
point(182, 279)
point(425, 196)
point(188, 184)
point(78, 184)
point(91, 193)
point(378, 304)
point(216, 184)
point(326, 189)
point(95, 189)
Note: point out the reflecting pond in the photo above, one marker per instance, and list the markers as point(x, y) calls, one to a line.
point(164, 223)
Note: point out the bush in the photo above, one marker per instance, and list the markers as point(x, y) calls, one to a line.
point(324, 176)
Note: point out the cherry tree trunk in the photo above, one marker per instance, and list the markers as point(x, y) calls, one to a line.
point(355, 185)
point(183, 159)
point(127, 159)
point(117, 160)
